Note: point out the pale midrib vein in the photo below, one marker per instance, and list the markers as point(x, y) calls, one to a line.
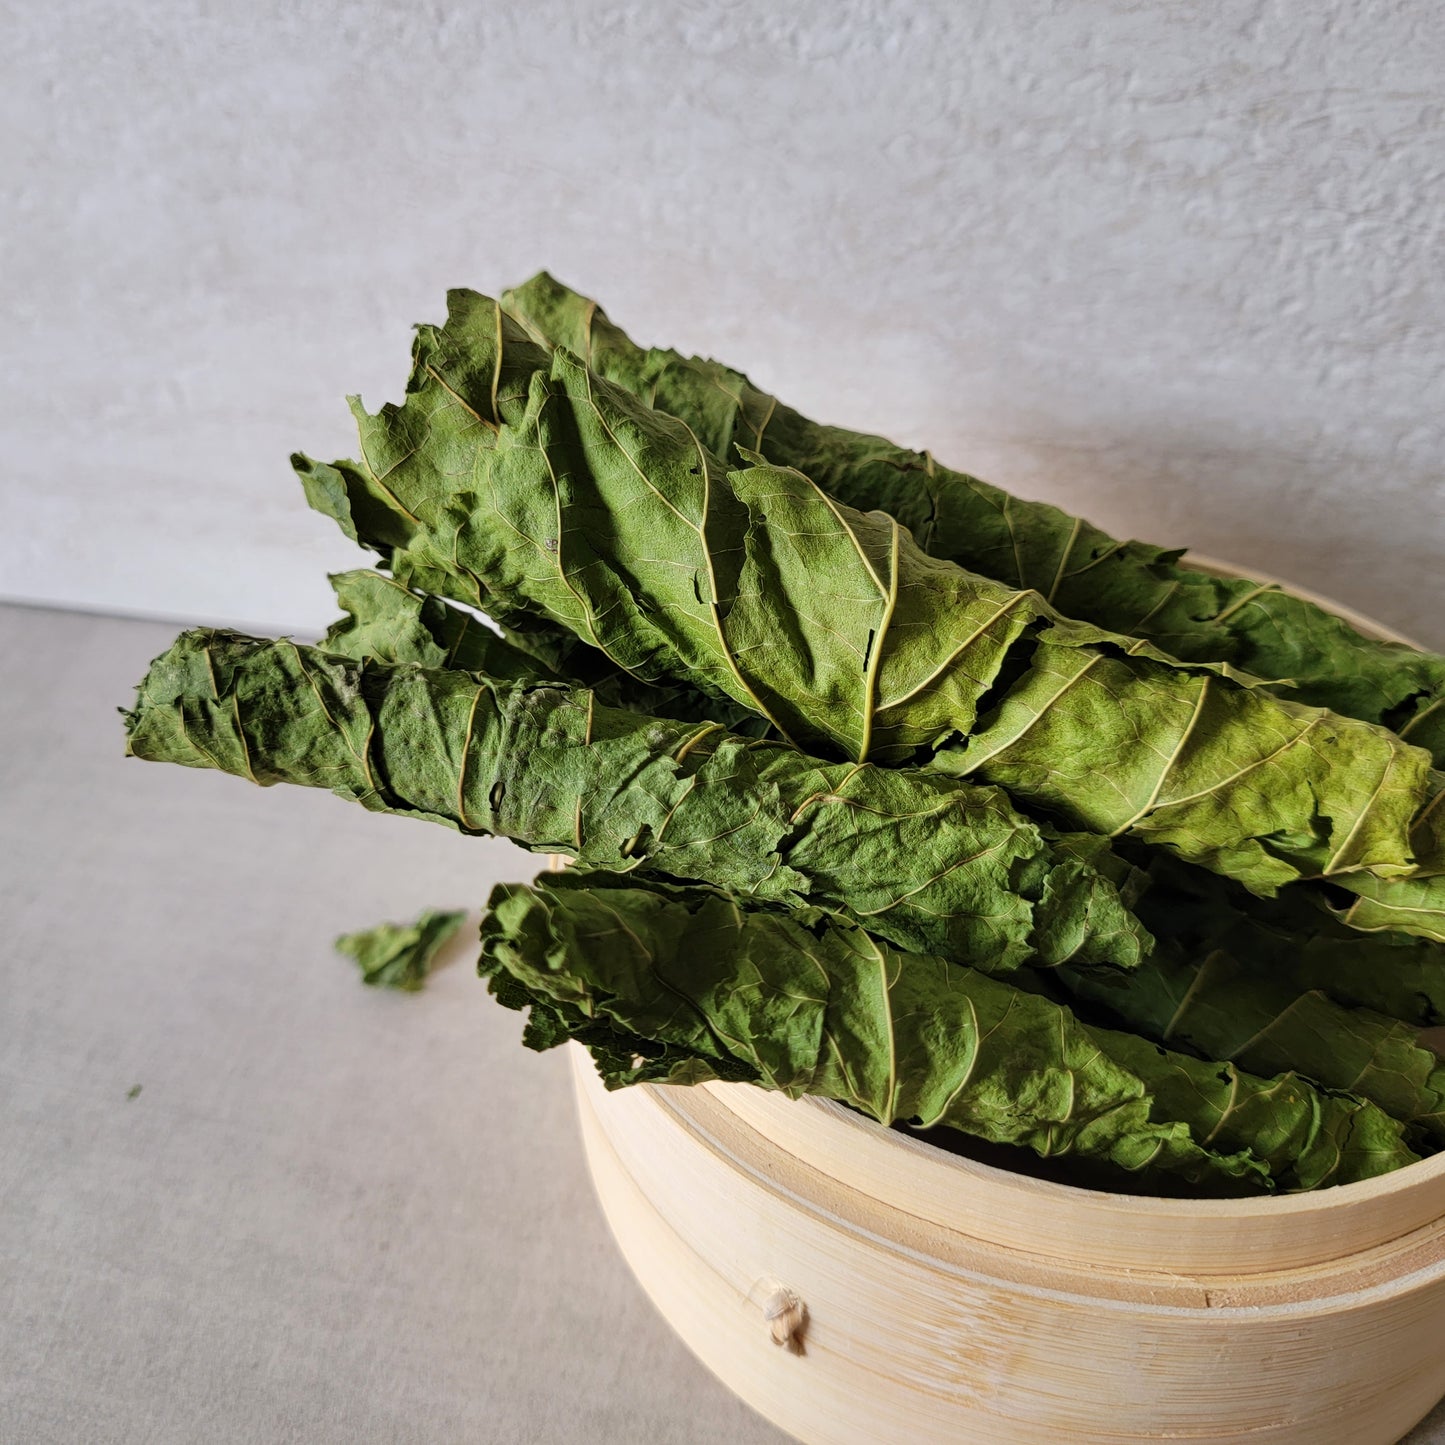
point(1169, 591)
point(1228, 1109)
point(1014, 600)
point(712, 587)
point(525, 322)
point(1013, 537)
point(687, 792)
point(888, 1024)
point(1361, 818)
point(632, 462)
point(1235, 776)
point(970, 1064)
point(1257, 591)
point(457, 397)
point(466, 754)
point(849, 532)
point(642, 948)
point(377, 479)
point(712, 380)
point(1421, 716)
point(587, 318)
point(951, 867)
point(1241, 1050)
point(846, 1074)
point(875, 660)
point(361, 757)
point(1112, 550)
point(704, 731)
point(496, 366)
point(306, 673)
point(1064, 558)
point(561, 569)
point(763, 425)
point(184, 731)
point(241, 737)
point(975, 764)
point(1169, 762)
point(455, 650)
point(1384, 904)
point(1194, 986)
point(1429, 807)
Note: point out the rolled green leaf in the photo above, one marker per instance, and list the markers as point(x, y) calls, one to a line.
point(400, 955)
point(932, 863)
point(1286, 987)
point(1392, 974)
point(1220, 1008)
point(1297, 945)
point(389, 622)
point(1273, 984)
point(815, 1005)
point(1196, 913)
point(1127, 587)
point(513, 478)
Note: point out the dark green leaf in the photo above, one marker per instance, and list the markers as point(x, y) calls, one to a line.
point(930, 862)
point(1220, 1008)
point(1127, 587)
point(522, 483)
point(400, 955)
point(1196, 914)
point(815, 1005)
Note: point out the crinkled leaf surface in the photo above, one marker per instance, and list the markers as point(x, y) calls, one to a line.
point(1275, 985)
point(927, 861)
point(389, 621)
point(1289, 938)
point(400, 955)
point(1220, 1008)
point(816, 1005)
point(1256, 999)
point(1127, 587)
point(513, 478)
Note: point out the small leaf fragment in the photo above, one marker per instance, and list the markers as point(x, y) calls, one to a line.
point(400, 955)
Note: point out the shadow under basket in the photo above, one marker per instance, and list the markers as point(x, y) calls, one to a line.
point(858, 1286)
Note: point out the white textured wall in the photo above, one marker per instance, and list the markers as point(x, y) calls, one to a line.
point(1176, 265)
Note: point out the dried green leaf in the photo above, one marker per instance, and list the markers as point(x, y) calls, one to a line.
point(400, 955)
point(392, 624)
point(932, 863)
point(1272, 984)
point(1293, 941)
point(522, 483)
point(1220, 1008)
point(815, 1005)
point(388, 621)
point(1297, 971)
point(1127, 587)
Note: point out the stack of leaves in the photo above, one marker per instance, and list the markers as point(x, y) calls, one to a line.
point(880, 785)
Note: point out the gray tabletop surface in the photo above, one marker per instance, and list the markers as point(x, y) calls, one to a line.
point(243, 1198)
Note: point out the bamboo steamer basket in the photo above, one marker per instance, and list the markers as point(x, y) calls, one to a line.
point(921, 1296)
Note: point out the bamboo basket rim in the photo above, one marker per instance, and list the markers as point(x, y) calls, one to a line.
point(869, 1133)
point(1193, 1268)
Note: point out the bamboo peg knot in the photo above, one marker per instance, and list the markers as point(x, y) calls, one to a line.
point(787, 1317)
